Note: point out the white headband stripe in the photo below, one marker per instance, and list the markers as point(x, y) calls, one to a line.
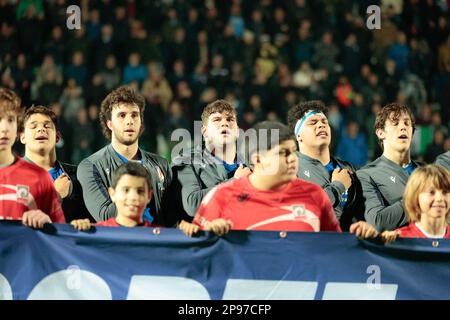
point(301, 122)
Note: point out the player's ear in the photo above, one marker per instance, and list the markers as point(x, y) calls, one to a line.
point(203, 130)
point(58, 136)
point(22, 137)
point(108, 124)
point(111, 193)
point(380, 133)
point(256, 158)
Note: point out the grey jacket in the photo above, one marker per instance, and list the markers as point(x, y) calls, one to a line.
point(194, 174)
point(383, 183)
point(313, 170)
point(95, 175)
point(444, 160)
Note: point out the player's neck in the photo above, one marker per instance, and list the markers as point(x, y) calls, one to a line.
point(128, 152)
point(6, 158)
point(126, 221)
point(321, 153)
point(266, 182)
point(44, 160)
point(401, 158)
point(225, 153)
point(432, 226)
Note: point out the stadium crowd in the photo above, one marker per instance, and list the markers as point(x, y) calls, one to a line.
point(365, 111)
point(264, 56)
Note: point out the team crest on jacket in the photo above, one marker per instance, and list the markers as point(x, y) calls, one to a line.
point(298, 211)
point(22, 192)
point(160, 174)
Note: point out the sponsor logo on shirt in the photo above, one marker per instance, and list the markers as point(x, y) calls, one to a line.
point(243, 197)
point(307, 173)
point(393, 179)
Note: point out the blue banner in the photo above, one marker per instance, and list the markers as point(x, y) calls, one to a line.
point(144, 263)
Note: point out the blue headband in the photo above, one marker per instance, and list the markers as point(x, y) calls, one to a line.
point(301, 122)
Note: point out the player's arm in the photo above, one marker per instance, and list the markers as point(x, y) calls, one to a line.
point(48, 200)
point(192, 191)
point(376, 213)
point(95, 192)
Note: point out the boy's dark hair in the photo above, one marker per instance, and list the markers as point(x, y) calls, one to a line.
point(269, 134)
point(217, 106)
point(392, 111)
point(10, 101)
point(133, 169)
point(299, 110)
point(125, 95)
point(37, 110)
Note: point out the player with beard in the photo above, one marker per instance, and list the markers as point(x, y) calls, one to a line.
point(384, 179)
point(121, 117)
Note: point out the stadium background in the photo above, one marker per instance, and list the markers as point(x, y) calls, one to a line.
point(263, 56)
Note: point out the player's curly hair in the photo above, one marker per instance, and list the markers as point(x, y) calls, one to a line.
point(125, 95)
point(300, 109)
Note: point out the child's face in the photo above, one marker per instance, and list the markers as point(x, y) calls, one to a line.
point(8, 130)
point(280, 162)
point(434, 202)
point(131, 196)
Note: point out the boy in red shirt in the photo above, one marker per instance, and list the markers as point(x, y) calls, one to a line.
point(26, 191)
point(131, 192)
point(272, 197)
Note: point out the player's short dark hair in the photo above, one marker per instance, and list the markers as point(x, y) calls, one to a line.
point(221, 106)
point(125, 95)
point(37, 110)
point(269, 134)
point(10, 101)
point(393, 112)
point(299, 110)
point(133, 169)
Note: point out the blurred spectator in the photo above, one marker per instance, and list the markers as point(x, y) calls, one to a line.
point(77, 70)
point(71, 101)
point(93, 26)
point(353, 146)
point(111, 73)
point(399, 52)
point(134, 70)
point(344, 92)
point(303, 46)
point(55, 46)
point(103, 47)
point(351, 56)
point(435, 148)
point(236, 21)
point(22, 76)
point(325, 52)
point(96, 91)
point(156, 89)
point(83, 136)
